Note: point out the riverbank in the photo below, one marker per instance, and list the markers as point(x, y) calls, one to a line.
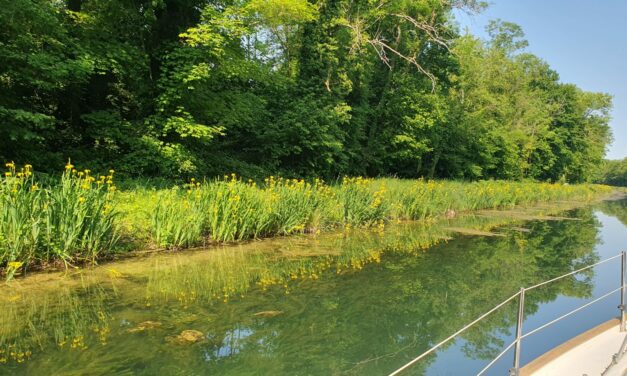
point(83, 217)
point(345, 284)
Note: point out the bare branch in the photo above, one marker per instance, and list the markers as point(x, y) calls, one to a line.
point(381, 47)
point(429, 29)
point(364, 35)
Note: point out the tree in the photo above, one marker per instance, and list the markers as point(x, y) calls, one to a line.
point(181, 88)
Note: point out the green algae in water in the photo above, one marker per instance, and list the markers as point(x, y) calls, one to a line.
point(355, 302)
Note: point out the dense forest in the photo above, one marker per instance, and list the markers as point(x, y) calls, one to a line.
point(181, 88)
point(613, 172)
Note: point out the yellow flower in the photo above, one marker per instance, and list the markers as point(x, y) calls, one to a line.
point(111, 172)
point(15, 264)
point(114, 273)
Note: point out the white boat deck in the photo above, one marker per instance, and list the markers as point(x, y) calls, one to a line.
point(587, 354)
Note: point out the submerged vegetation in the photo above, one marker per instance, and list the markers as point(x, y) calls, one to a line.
point(82, 217)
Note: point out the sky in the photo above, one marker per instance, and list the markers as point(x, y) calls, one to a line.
point(585, 41)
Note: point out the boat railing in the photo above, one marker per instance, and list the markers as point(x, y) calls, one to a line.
point(516, 343)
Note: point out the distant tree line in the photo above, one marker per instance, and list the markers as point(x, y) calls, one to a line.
point(613, 172)
point(180, 88)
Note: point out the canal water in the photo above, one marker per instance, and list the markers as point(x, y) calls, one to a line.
point(355, 302)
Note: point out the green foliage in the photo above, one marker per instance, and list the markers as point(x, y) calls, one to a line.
point(231, 210)
point(506, 36)
point(80, 217)
point(531, 125)
point(176, 222)
point(360, 205)
point(613, 172)
point(236, 212)
point(71, 220)
point(324, 88)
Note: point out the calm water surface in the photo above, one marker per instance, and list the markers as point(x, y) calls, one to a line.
point(354, 303)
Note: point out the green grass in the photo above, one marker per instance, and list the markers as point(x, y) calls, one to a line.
point(78, 217)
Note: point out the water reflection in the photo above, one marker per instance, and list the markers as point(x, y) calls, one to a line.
point(232, 343)
point(361, 302)
point(616, 209)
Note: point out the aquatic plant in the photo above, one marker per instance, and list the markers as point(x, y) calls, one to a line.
point(78, 217)
point(69, 220)
point(177, 219)
point(362, 203)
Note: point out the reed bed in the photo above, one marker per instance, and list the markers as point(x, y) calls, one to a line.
point(82, 217)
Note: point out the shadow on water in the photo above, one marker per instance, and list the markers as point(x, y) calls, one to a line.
point(355, 302)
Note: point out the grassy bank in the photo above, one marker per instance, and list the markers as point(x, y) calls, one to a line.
point(80, 216)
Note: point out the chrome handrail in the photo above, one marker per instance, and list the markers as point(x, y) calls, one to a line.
point(515, 370)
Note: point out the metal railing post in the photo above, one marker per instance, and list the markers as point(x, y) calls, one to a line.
point(514, 371)
point(623, 266)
